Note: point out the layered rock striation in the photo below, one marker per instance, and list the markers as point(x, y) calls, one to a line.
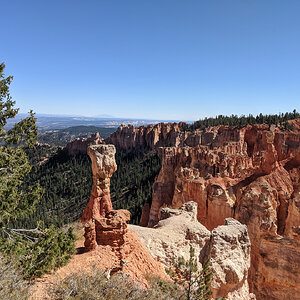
point(251, 174)
point(227, 246)
point(108, 230)
point(149, 137)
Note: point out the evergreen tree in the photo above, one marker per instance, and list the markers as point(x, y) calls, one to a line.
point(280, 120)
point(14, 165)
point(39, 250)
point(36, 250)
point(195, 283)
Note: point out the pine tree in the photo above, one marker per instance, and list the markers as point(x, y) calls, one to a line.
point(14, 165)
point(196, 284)
point(185, 273)
point(36, 250)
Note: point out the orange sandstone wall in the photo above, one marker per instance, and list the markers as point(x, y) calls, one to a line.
point(251, 174)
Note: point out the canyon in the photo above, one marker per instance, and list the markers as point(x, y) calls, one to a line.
point(251, 174)
point(141, 251)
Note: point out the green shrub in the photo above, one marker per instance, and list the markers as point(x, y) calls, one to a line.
point(38, 251)
point(196, 284)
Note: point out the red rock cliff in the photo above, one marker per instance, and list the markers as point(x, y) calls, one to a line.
point(253, 175)
point(151, 136)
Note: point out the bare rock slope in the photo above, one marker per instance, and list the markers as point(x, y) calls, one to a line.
point(228, 247)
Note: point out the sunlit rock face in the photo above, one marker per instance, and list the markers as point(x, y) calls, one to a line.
point(251, 174)
point(149, 137)
point(109, 230)
point(228, 247)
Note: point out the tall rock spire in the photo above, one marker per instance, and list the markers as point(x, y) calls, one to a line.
point(103, 167)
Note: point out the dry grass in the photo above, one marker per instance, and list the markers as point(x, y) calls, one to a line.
point(98, 287)
point(12, 285)
point(77, 229)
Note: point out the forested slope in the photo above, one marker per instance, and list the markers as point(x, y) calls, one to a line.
point(281, 120)
point(131, 184)
point(67, 182)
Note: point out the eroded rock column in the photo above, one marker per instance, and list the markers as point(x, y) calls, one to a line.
point(103, 166)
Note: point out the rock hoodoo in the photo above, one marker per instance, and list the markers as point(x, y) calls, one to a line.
point(103, 166)
point(106, 229)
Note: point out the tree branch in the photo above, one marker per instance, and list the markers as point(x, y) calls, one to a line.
point(11, 232)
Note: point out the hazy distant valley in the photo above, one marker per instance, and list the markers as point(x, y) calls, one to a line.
point(60, 137)
point(59, 130)
point(48, 122)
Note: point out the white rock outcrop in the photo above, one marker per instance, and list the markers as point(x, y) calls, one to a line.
point(229, 253)
point(228, 247)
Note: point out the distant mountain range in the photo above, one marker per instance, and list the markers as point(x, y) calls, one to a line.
point(47, 122)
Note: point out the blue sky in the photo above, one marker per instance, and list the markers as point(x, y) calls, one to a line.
point(157, 59)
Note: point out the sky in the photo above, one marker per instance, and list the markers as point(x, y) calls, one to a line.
point(155, 59)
